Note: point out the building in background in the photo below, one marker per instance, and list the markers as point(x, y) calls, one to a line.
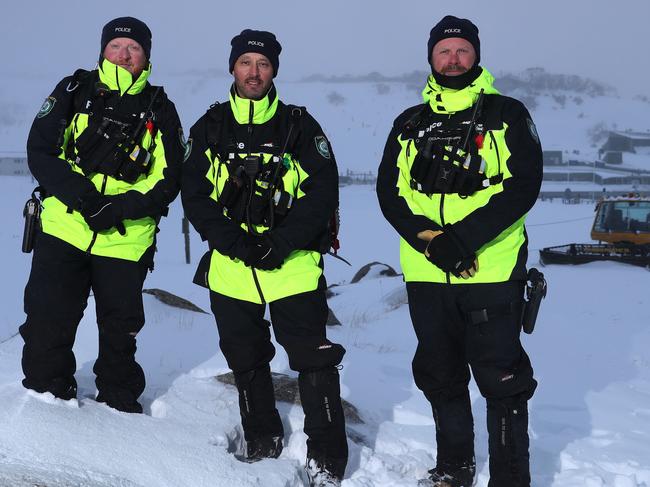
point(14, 164)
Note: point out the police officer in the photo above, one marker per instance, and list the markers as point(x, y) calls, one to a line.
point(458, 175)
point(106, 148)
point(260, 185)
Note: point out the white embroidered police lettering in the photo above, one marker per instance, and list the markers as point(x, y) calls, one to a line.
point(122, 29)
point(434, 125)
point(452, 31)
point(255, 43)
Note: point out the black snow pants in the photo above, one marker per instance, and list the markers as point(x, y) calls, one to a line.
point(299, 326)
point(477, 326)
point(55, 298)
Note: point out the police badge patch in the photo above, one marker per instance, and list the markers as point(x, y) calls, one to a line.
point(47, 106)
point(532, 129)
point(322, 146)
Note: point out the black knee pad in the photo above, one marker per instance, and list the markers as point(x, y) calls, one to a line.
point(314, 354)
point(448, 394)
point(497, 383)
point(511, 402)
point(246, 357)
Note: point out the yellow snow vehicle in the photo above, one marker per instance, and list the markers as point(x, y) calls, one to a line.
point(622, 229)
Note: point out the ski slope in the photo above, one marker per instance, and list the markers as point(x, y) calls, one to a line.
point(589, 420)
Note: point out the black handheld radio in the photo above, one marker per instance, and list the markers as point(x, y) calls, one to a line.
point(535, 292)
point(32, 214)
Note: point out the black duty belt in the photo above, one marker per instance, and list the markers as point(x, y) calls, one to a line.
point(483, 315)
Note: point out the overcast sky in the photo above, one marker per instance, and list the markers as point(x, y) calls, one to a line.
point(604, 40)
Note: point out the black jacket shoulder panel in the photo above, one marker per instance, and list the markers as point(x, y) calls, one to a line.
point(513, 110)
point(198, 131)
point(505, 108)
point(407, 115)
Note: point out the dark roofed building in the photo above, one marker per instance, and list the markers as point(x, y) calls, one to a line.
point(552, 157)
point(625, 141)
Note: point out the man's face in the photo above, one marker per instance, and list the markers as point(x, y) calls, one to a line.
point(127, 53)
point(253, 74)
point(453, 56)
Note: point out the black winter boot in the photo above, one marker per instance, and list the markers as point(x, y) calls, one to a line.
point(463, 476)
point(120, 399)
point(62, 388)
point(261, 448)
point(507, 422)
point(324, 472)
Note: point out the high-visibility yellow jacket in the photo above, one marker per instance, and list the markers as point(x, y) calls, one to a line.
point(489, 222)
point(260, 127)
point(62, 119)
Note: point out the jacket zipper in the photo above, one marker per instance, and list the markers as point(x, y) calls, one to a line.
point(251, 110)
point(94, 237)
point(442, 196)
point(442, 223)
point(117, 79)
point(257, 285)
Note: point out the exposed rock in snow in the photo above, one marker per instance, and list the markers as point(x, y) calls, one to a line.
point(173, 300)
point(374, 270)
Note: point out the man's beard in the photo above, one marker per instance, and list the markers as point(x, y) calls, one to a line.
point(253, 92)
point(452, 69)
point(459, 81)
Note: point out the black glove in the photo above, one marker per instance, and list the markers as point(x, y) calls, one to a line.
point(447, 252)
point(262, 254)
point(102, 214)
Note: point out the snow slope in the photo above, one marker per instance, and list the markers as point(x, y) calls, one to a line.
point(590, 418)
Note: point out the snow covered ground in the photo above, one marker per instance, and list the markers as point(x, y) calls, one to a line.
point(590, 417)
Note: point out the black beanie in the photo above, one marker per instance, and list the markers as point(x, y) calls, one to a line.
point(129, 27)
point(451, 26)
point(259, 41)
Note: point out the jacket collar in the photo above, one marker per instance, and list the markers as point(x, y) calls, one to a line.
point(446, 100)
point(119, 79)
point(253, 111)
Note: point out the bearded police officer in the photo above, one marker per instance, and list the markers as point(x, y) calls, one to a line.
point(261, 185)
point(458, 175)
point(106, 148)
